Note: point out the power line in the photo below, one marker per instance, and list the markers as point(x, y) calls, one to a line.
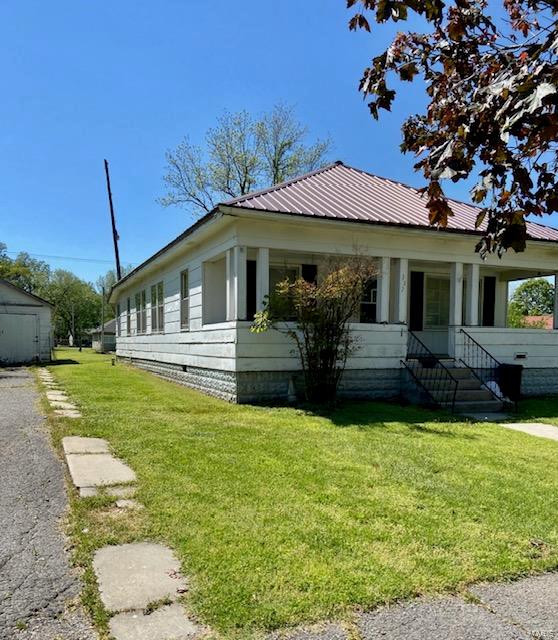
point(44, 255)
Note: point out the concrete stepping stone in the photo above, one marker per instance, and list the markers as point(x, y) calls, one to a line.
point(436, 619)
point(98, 469)
point(166, 623)
point(60, 404)
point(57, 395)
point(328, 631)
point(78, 444)
point(534, 429)
point(67, 413)
point(131, 576)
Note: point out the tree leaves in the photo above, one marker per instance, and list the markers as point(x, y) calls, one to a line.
point(493, 106)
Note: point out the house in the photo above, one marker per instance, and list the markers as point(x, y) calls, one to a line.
point(103, 338)
point(435, 315)
point(546, 321)
point(25, 326)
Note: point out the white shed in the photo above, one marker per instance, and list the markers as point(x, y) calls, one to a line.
point(25, 326)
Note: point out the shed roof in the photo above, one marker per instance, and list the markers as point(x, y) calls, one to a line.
point(344, 193)
point(109, 327)
point(24, 292)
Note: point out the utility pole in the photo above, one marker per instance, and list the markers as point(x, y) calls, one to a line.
point(114, 232)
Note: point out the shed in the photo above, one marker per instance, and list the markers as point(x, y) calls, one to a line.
point(103, 338)
point(25, 326)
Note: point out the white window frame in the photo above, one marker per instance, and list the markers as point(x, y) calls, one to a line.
point(185, 301)
point(158, 307)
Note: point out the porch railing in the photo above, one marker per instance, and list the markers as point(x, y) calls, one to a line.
point(430, 373)
point(482, 364)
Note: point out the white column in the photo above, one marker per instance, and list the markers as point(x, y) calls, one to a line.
point(262, 277)
point(401, 282)
point(456, 295)
point(472, 307)
point(239, 259)
point(555, 325)
point(382, 303)
point(231, 308)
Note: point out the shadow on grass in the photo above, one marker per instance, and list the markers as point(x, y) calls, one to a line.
point(55, 363)
point(537, 407)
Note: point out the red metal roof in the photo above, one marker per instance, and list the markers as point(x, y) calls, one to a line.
point(345, 193)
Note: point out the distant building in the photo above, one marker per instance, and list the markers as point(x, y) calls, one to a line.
point(25, 326)
point(104, 340)
point(539, 322)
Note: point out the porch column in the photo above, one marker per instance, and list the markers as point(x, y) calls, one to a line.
point(472, 310)
point(555, 321)
point(229, 265)
point(382, 303)
point(401, 281)
point(456, 295)
point(262, 277)
point(239, 259)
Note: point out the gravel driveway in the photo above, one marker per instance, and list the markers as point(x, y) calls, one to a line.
point(36, 583)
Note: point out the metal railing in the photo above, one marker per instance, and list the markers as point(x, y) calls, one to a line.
point(430, 373)
point(482, 364)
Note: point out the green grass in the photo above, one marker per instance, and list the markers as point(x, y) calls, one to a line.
point(281, 516)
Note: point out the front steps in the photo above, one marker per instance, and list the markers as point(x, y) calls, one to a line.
point(471, 395)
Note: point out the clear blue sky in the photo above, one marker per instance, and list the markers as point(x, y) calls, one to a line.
point(124, 80)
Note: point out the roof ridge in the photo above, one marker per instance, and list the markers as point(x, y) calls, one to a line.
point(281, 185)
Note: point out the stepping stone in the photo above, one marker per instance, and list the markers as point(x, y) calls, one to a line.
point(88, 492)
point(131, 576)
point(534, 429)
point(531, 602)
point(77, 444)
point(59, 404)
point(166, 623)
point(57, 395)
point(127, 503)
point(436, 619)
point(67, 413)
point(98, 469)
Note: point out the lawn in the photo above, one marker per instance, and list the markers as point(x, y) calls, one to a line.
point(281, 516)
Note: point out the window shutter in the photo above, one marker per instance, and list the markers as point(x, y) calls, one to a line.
point(417, 301)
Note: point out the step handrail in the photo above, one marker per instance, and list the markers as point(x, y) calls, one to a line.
point(481, 363)
point(436, 371)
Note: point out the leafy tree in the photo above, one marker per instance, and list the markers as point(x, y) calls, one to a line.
point(77, 306)
point(24, 271)
point(320, 315)
point(106, 282)
point(534, 297)
point(492, 111)
point(242, 153)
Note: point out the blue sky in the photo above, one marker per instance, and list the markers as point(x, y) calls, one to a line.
point(83, 81)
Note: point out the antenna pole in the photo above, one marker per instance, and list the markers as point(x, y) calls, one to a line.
point(114, 232)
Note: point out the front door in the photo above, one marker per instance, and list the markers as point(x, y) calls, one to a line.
point(429, 310)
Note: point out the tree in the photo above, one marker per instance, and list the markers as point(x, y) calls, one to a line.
point(320, 313)
point(492, 90)
point(534, 297)
point(105, 283)
point(242, 153)
point(24, 271)
point(77, 306)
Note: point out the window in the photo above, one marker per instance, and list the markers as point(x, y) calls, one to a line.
point(437, 299)
point(278, 273)
point(141, 314)
point(184, 301)
point(118, 326)
point(128, 318)
point(368, 301)
point(157, 308)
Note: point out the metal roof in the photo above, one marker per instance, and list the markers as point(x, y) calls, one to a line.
point(345, 193)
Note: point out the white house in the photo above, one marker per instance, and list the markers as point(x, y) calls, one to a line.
point(435, 316)
point(25, 326)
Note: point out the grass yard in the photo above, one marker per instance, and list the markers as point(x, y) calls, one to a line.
point(280, 516)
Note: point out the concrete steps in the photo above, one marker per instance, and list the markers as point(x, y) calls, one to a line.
point(471, 395)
